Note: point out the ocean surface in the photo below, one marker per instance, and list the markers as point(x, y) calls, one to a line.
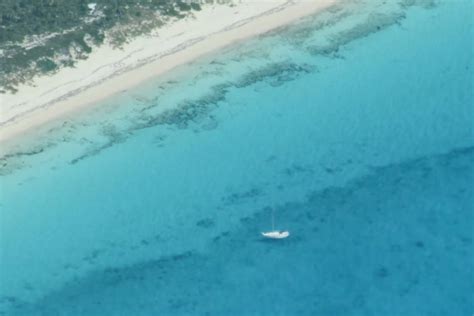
point(355, 127)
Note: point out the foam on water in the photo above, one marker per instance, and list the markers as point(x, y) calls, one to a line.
point(355, 126)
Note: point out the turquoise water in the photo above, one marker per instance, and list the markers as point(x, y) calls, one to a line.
point(354, 126)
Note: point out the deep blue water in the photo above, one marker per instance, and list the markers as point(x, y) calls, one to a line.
point(354, 126)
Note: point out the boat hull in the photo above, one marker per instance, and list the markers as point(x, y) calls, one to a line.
point(276, 234)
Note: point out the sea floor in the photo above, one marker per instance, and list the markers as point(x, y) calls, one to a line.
point(395, 242)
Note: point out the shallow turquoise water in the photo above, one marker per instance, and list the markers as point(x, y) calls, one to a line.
point(354, 126)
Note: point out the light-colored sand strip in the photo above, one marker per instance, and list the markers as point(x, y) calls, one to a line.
point(107, 71)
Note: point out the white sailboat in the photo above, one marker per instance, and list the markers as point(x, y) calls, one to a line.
point(275, 234)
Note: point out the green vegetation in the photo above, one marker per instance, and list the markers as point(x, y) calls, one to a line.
point(41, 36)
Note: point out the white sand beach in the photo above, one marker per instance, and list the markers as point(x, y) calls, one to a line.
point(108, 71)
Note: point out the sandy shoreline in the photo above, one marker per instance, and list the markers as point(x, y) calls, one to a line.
point(109, 71)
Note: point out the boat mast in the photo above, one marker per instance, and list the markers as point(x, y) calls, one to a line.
point(273, 219)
